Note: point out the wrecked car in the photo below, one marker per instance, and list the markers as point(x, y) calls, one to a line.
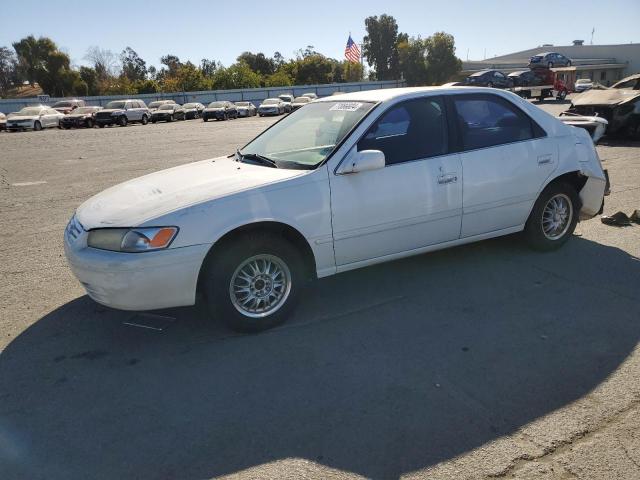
point(620, 107)
point(596, 126)
point(631, 83)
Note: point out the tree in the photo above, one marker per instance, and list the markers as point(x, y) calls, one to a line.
point(104, 62)
point(442, 62)
point(278, 79)
point(258, 62)
point(146, 86)
point(412, 60)
point(32, 55)
point(278, 60)
point(172, 63)
point(8, 70)
point(133, 67)
point(209, 67)
point(312, 69)
point(190, 78)
point(90, 78)
point(238, 75)
point(352, 72)
point(381, 46)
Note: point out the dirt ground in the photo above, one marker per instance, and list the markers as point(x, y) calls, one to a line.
point(483, 361)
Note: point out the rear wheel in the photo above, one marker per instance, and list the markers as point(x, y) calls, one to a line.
point(89, 123)
point(144, 120)
point(253, 285)
point(553, 218)
point(37, 126)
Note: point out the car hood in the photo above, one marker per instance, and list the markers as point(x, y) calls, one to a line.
point(606, 97)
point(263, 105)
point(111, 110)
point(142, 199)
point(214, 109)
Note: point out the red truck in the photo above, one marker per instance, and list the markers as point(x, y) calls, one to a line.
point(538, 83)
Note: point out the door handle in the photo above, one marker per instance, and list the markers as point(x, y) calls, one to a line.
point(447, 178)
point(544, 159)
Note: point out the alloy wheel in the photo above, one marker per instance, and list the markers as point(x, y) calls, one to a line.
point(557, 216)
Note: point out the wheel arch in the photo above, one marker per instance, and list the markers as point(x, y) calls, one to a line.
point(272, 227)
point(573, 178)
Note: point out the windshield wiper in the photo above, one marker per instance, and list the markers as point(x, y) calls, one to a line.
point(256, 157)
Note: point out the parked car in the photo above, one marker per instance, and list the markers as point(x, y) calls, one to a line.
point(123, 112)
point(246, 109)
point(631, 83)
point(3, 121)
point(549, 60)
point(312, 96)
point(68, 106)
point(34, 118)
point(322, 192)
point(193, 110)
point(287, 100)
point(220, 110)
point(526, 78)
point(80, 117)
point(620, 107)
point(271, 106)
point(300, 102)
point(583, 84)
point(488, 78)
point(153, 106)
point(169, 112)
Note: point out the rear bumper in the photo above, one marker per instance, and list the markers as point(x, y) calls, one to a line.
point(592, 196)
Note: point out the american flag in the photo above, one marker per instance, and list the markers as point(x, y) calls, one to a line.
point(352, 52)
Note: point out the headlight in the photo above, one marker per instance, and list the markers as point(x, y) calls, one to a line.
point(132, 239)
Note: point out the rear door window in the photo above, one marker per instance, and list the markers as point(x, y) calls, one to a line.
point(487, 120)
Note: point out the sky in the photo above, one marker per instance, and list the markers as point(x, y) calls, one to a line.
point(195, 29)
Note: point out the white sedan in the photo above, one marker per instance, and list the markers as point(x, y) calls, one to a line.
point(340, 184)
point(34, 118)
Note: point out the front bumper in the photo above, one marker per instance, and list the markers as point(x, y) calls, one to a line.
point(19, 126)
point(160, 118)
point(136, 281)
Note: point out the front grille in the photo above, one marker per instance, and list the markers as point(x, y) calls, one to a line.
point(74, 229)
point(103, 115)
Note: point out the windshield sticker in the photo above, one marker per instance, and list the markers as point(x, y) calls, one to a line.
point(346, 106)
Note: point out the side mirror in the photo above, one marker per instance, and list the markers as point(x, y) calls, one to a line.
point(363, 161)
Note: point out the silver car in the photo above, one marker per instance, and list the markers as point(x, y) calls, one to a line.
point(287, 100)
point(271, 106)
point(246, 109)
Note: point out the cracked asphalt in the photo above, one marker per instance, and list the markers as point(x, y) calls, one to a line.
point(482, 361)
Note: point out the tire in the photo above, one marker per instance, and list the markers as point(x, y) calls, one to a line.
point(490, 85)
point(37, 126)
point(221, 270)
point(205, 119)
point(89, 123)
point(171, 118)
point(153, 120)
point(66, 127)
point(543, 237)
point(122, 121)
point(101, 125)
point(144, 120)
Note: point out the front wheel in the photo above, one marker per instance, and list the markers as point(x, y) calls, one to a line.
point(122, 121)
point(553, 218)
point(37, 126)
point(254, 283)
point(89, 123)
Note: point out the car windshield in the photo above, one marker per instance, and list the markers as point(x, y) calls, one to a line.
point(62, 104)
point(583, 80)
point(30, 111)
point(84, 110)
point(242, 104)
point(168, 106)
point(156, 104)
point(302, 100)
point(285, 98)
point(271, 101)
point(305, 138)
point(116, 104)
point(189, 105)
point(216, 105)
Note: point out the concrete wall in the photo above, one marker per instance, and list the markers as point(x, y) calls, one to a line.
point(255, 95)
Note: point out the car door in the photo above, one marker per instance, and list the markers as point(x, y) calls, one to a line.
point(506, 159)
point(50, 118)
point(414, 201)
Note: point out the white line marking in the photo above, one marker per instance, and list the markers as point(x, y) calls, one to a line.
point(27, 184)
